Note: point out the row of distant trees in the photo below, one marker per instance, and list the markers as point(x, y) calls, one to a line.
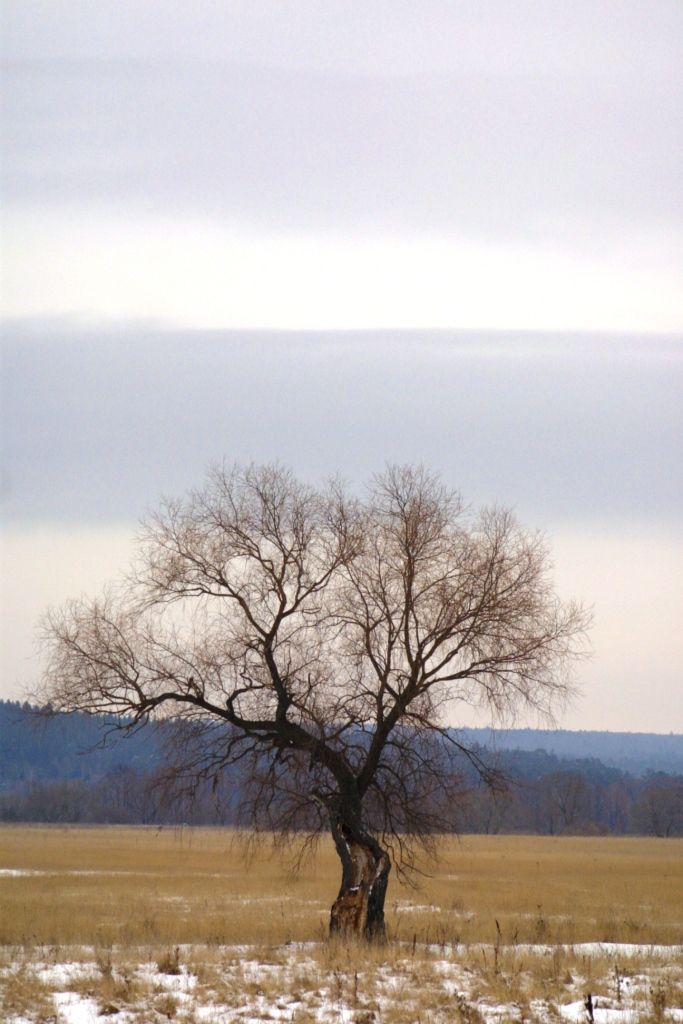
point(559, 803)
point(566, 803)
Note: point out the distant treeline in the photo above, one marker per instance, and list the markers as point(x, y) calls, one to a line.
point(567, 802)
point(57, 770)
point(632, 752)
point(38, 749)
point(562, 802)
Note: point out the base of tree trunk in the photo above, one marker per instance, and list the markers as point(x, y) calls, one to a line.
point(358, 910)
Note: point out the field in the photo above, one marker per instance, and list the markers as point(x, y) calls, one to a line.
point(147, 924)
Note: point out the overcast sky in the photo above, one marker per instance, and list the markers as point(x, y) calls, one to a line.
point(338, 233)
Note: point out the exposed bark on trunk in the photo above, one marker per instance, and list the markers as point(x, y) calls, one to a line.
point(359, 907)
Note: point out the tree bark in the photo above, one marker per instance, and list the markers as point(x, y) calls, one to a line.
point(358, 910)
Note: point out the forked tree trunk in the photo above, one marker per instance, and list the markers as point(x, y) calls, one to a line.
point(358, 910)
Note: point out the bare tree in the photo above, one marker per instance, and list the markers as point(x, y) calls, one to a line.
point(567, 801)
point(658, 810)
point(323, 643)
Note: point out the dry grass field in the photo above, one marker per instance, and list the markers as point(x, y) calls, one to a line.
point(145, 885)
point(146, 924)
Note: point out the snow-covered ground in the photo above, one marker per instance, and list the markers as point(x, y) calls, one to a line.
point(628, 984)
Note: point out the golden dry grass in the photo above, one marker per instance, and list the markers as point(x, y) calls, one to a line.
point(168, 887)
point(144, 926)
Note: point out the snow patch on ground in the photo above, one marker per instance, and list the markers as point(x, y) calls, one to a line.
point(295, 983)
point(401, 908)
point(576, 1013)
point(74, 1009)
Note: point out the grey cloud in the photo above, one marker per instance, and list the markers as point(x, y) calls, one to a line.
point(542, 120)
point(386, 37)
point(567, 429)
point(576, 159)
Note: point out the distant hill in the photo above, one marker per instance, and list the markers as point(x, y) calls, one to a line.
point(591, 783)
point(632, 752)
point(33, 749)
point(70, 747)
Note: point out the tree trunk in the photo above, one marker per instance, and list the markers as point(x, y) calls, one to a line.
point(359, 908)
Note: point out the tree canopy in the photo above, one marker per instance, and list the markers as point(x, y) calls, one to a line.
point(324, 642)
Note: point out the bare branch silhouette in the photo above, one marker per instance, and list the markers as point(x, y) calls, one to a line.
point(320, 644)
